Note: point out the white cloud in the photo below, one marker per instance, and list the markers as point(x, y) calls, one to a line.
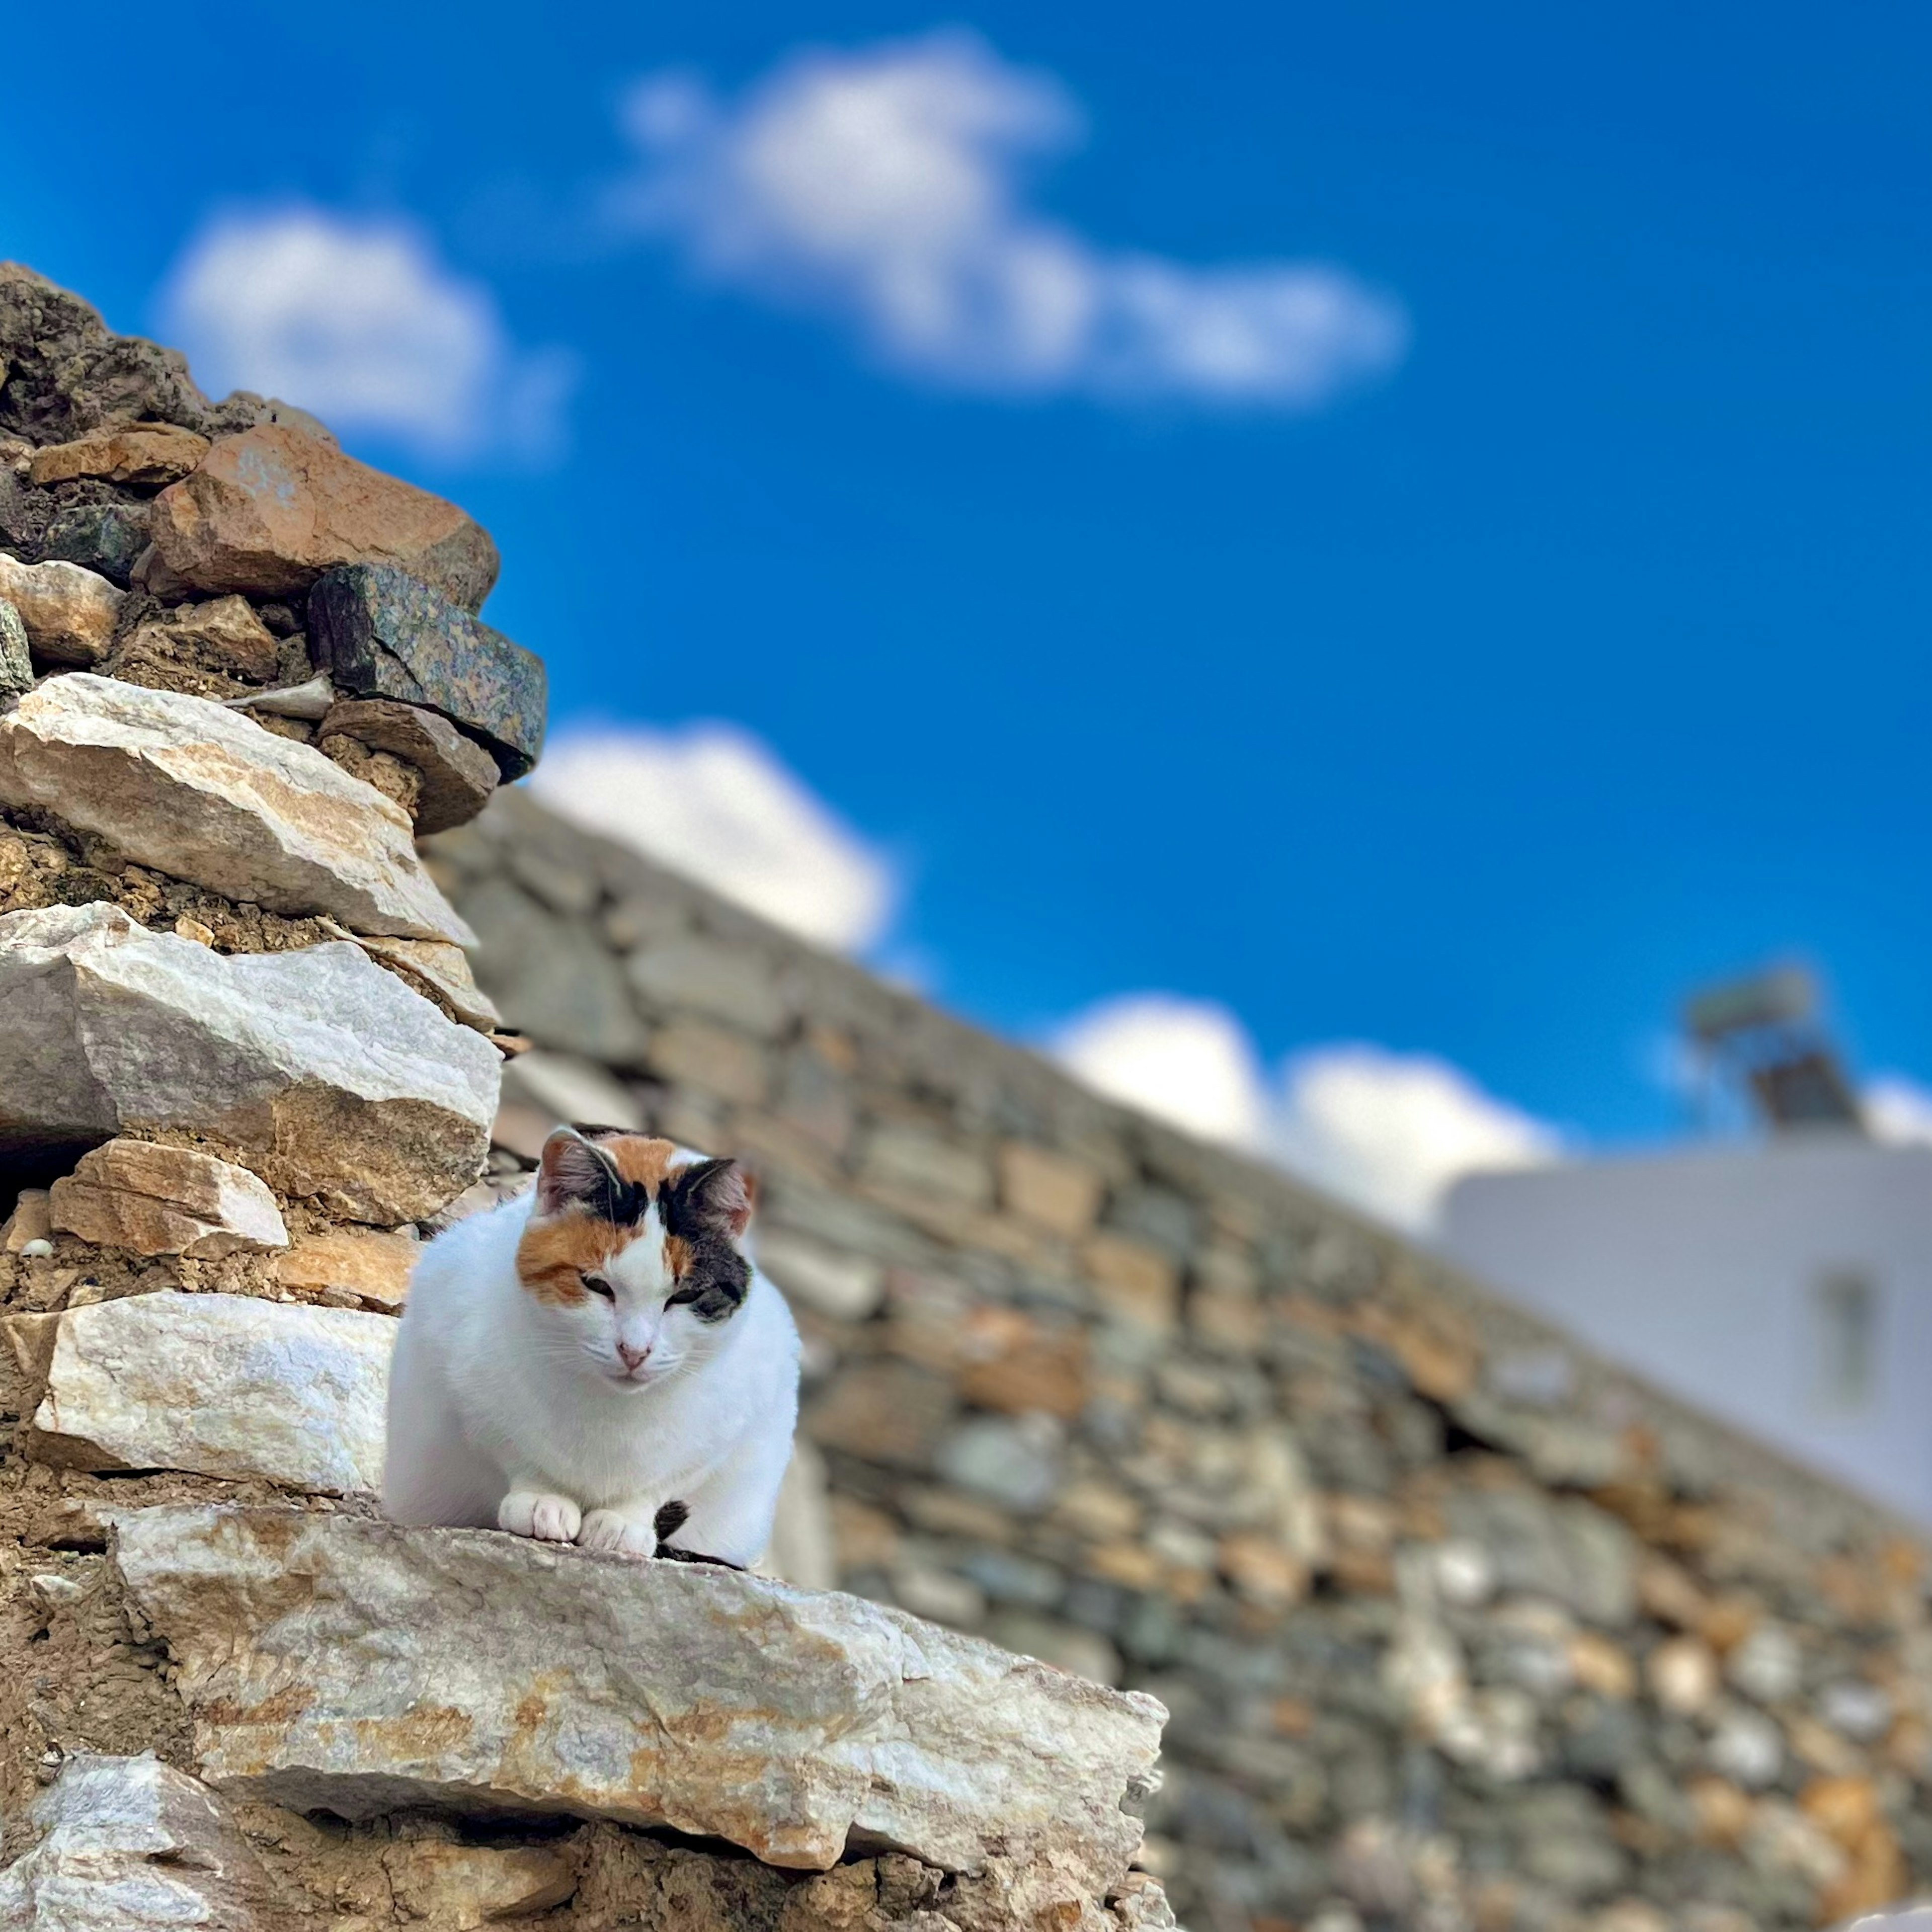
point(886, 186)
point(360, 322)
point(1391, 1131)
point(713, 802)
point(1388, 1132)
point(1187, 1061)
point(1898, 1110)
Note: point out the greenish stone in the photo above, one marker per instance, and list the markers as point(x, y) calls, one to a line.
point(103, 537)
point(380, 633)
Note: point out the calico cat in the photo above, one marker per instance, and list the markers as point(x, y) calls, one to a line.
point(596, 1361)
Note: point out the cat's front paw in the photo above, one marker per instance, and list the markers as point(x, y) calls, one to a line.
point(548, 1519)
point(611, 1529)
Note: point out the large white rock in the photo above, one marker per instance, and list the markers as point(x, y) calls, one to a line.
point(131, 1844)
point(331, 1076)
point(202, 792)
point(221, 1385)
point(354, 1666)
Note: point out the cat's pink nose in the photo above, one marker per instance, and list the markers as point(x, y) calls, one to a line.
point(630, 1357)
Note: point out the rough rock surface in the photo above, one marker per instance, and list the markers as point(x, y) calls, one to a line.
point(130, 1845)
point(458, 776)
point(70, 614)
point(790, 1722)
point(380, 633)
point(198, 790)
point(220, 1385)
point(268, 511)
point(332, 1077)
point(107, 538)
point(17, 663)
point(363, 1265)
point(224, 634)
point(152, 453)
point(440, 970)
point(166, 1200)
point(67, 373)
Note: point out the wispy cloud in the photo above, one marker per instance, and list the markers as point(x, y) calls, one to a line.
point(1189, 1061)
point(714, 803)
point(1389, 1132)
point(1898, 1110)
point(362, 322)
point(886, 188)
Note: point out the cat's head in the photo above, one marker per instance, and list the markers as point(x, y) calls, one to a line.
point(634, 1252)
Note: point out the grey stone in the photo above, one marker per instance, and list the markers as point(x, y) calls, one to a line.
point(332, 1077)
point(106, 537)
point(220, 1385)
point(1008, 1577)
point(916, 1161)
point(552, 978)
point(725, 983)
point(842, 1286)
point(1570, 1550)
point(381, 634)
point(1014, 1462)
point(131, 1845)
point(798, 1726)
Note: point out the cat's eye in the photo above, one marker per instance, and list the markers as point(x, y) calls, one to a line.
point(598, 1285)
point(683, 1298)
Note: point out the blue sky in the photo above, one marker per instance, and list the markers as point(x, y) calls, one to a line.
point(1472, 688)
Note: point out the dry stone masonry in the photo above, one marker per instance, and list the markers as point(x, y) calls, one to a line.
point(1459, 1629)
point(245, 1069)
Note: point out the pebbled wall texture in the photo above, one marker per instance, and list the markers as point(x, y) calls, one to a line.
point(1458, 1627)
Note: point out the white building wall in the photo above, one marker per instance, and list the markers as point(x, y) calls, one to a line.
point(1707, 1271)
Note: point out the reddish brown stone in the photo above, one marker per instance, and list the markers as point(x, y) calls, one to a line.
point(137, 453)
point(269, 510)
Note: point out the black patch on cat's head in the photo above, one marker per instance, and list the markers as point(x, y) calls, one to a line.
point(706, 1207)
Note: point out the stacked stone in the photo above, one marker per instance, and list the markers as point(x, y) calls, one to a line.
point(245, 1068)
point(1459, 1627)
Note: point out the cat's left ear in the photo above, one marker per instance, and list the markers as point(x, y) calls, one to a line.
point(718, 1191)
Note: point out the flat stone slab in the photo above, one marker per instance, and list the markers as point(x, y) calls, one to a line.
point(166, 1200)
point(141, 453)
point(372, 1265)
point(380, 633)
point(268, 510)
point(329, 1075)
point(131, 1845)
point(202, 792)
point(334, 1663)
point(219, 1385)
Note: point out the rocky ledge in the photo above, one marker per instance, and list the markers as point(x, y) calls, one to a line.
point(333, 1663)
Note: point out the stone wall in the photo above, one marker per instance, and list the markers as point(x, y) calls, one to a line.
point(1459, 1628)
point(245, 1068)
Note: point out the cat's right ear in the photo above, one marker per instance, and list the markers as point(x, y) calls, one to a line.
point(575, 1172)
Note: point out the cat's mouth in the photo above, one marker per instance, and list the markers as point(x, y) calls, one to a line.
point(640, 1377)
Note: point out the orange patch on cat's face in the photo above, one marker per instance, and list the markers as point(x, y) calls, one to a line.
point(554, 1254)
point(677, 1255)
